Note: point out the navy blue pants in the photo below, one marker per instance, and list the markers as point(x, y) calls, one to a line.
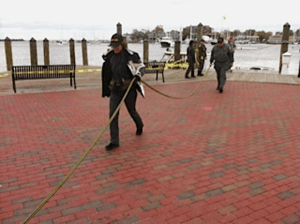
point(130, 102)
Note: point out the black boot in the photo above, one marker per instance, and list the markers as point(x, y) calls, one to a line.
point(139, 131)
point(111, 146)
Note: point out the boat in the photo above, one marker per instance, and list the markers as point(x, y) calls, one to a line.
point(61, 42)
point(167, 42)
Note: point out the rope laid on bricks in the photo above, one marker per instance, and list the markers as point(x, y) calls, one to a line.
point(81, 159)
point(177, 97)
point(100, 135)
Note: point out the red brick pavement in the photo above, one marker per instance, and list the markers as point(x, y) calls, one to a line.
point(211, 158)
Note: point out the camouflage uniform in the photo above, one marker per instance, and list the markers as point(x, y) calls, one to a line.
point(201, 58)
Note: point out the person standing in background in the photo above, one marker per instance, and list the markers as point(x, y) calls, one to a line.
point(190, 52)
point(232, 47)
point(201, 57)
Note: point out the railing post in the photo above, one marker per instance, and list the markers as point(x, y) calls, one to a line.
point(8, 53)
point(72, 51)
point(284, 43)
point(84, 52)
point(46, 52)
point(33, 52)
point(146, 51)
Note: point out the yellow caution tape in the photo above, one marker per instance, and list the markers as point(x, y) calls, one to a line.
point(4, 75)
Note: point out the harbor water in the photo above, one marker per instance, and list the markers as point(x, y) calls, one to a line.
point(246, 56)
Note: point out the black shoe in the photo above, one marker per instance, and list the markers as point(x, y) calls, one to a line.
point(187, 77)
point(221, 90)
point(193, 76)
point(201, 75)
point(139, 131)
point(111, 146)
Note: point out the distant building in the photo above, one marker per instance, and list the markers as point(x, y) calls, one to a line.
point(155, 36)
point(276, 39)
point(294, 39)
point(174, 34)
point(242, 39)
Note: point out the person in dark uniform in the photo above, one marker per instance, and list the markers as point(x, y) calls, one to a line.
point(222, 56)
point(119, 67)
point(232, 47)
point(190, 52)
point(201, 57)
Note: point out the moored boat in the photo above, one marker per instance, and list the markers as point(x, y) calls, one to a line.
point(167, 42)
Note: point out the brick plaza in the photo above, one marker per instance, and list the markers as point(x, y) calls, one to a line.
point(211, 158)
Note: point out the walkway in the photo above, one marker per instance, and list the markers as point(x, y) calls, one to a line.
point(211, 158)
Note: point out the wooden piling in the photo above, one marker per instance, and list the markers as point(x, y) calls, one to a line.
point(119, 28)
point(72, 51)
point(284, 43)
point(46, 52)
point(146, 51)
point(33, 52)
point(84, 52)
point(200, 34)
point(177, 51)
point(8, 53)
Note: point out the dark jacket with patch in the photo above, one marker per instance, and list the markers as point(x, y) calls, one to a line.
point(134, 67)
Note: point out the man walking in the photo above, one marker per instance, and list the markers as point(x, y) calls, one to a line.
point(201, 57)
point(222, 57)
point(119, 67)
point(190, 52)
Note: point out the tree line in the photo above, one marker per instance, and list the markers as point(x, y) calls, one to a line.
point(158, 31)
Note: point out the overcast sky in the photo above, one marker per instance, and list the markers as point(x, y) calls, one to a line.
point(56, 19)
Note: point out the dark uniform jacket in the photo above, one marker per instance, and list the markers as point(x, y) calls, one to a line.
point(221, 55)
point(190, 52)
point(118, 72)
point(202, 52)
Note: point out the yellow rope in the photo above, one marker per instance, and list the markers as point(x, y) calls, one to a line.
point(81, 159)
point(175, 97)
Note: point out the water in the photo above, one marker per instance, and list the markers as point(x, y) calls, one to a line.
point(264, 56)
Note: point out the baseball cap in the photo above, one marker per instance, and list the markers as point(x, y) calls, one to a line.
point(220, 40)
point(116, 40)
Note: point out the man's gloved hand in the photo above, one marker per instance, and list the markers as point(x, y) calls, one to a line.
point(138, 77)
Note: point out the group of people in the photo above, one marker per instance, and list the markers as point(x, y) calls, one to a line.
point(122, 65)
point(221, 56)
